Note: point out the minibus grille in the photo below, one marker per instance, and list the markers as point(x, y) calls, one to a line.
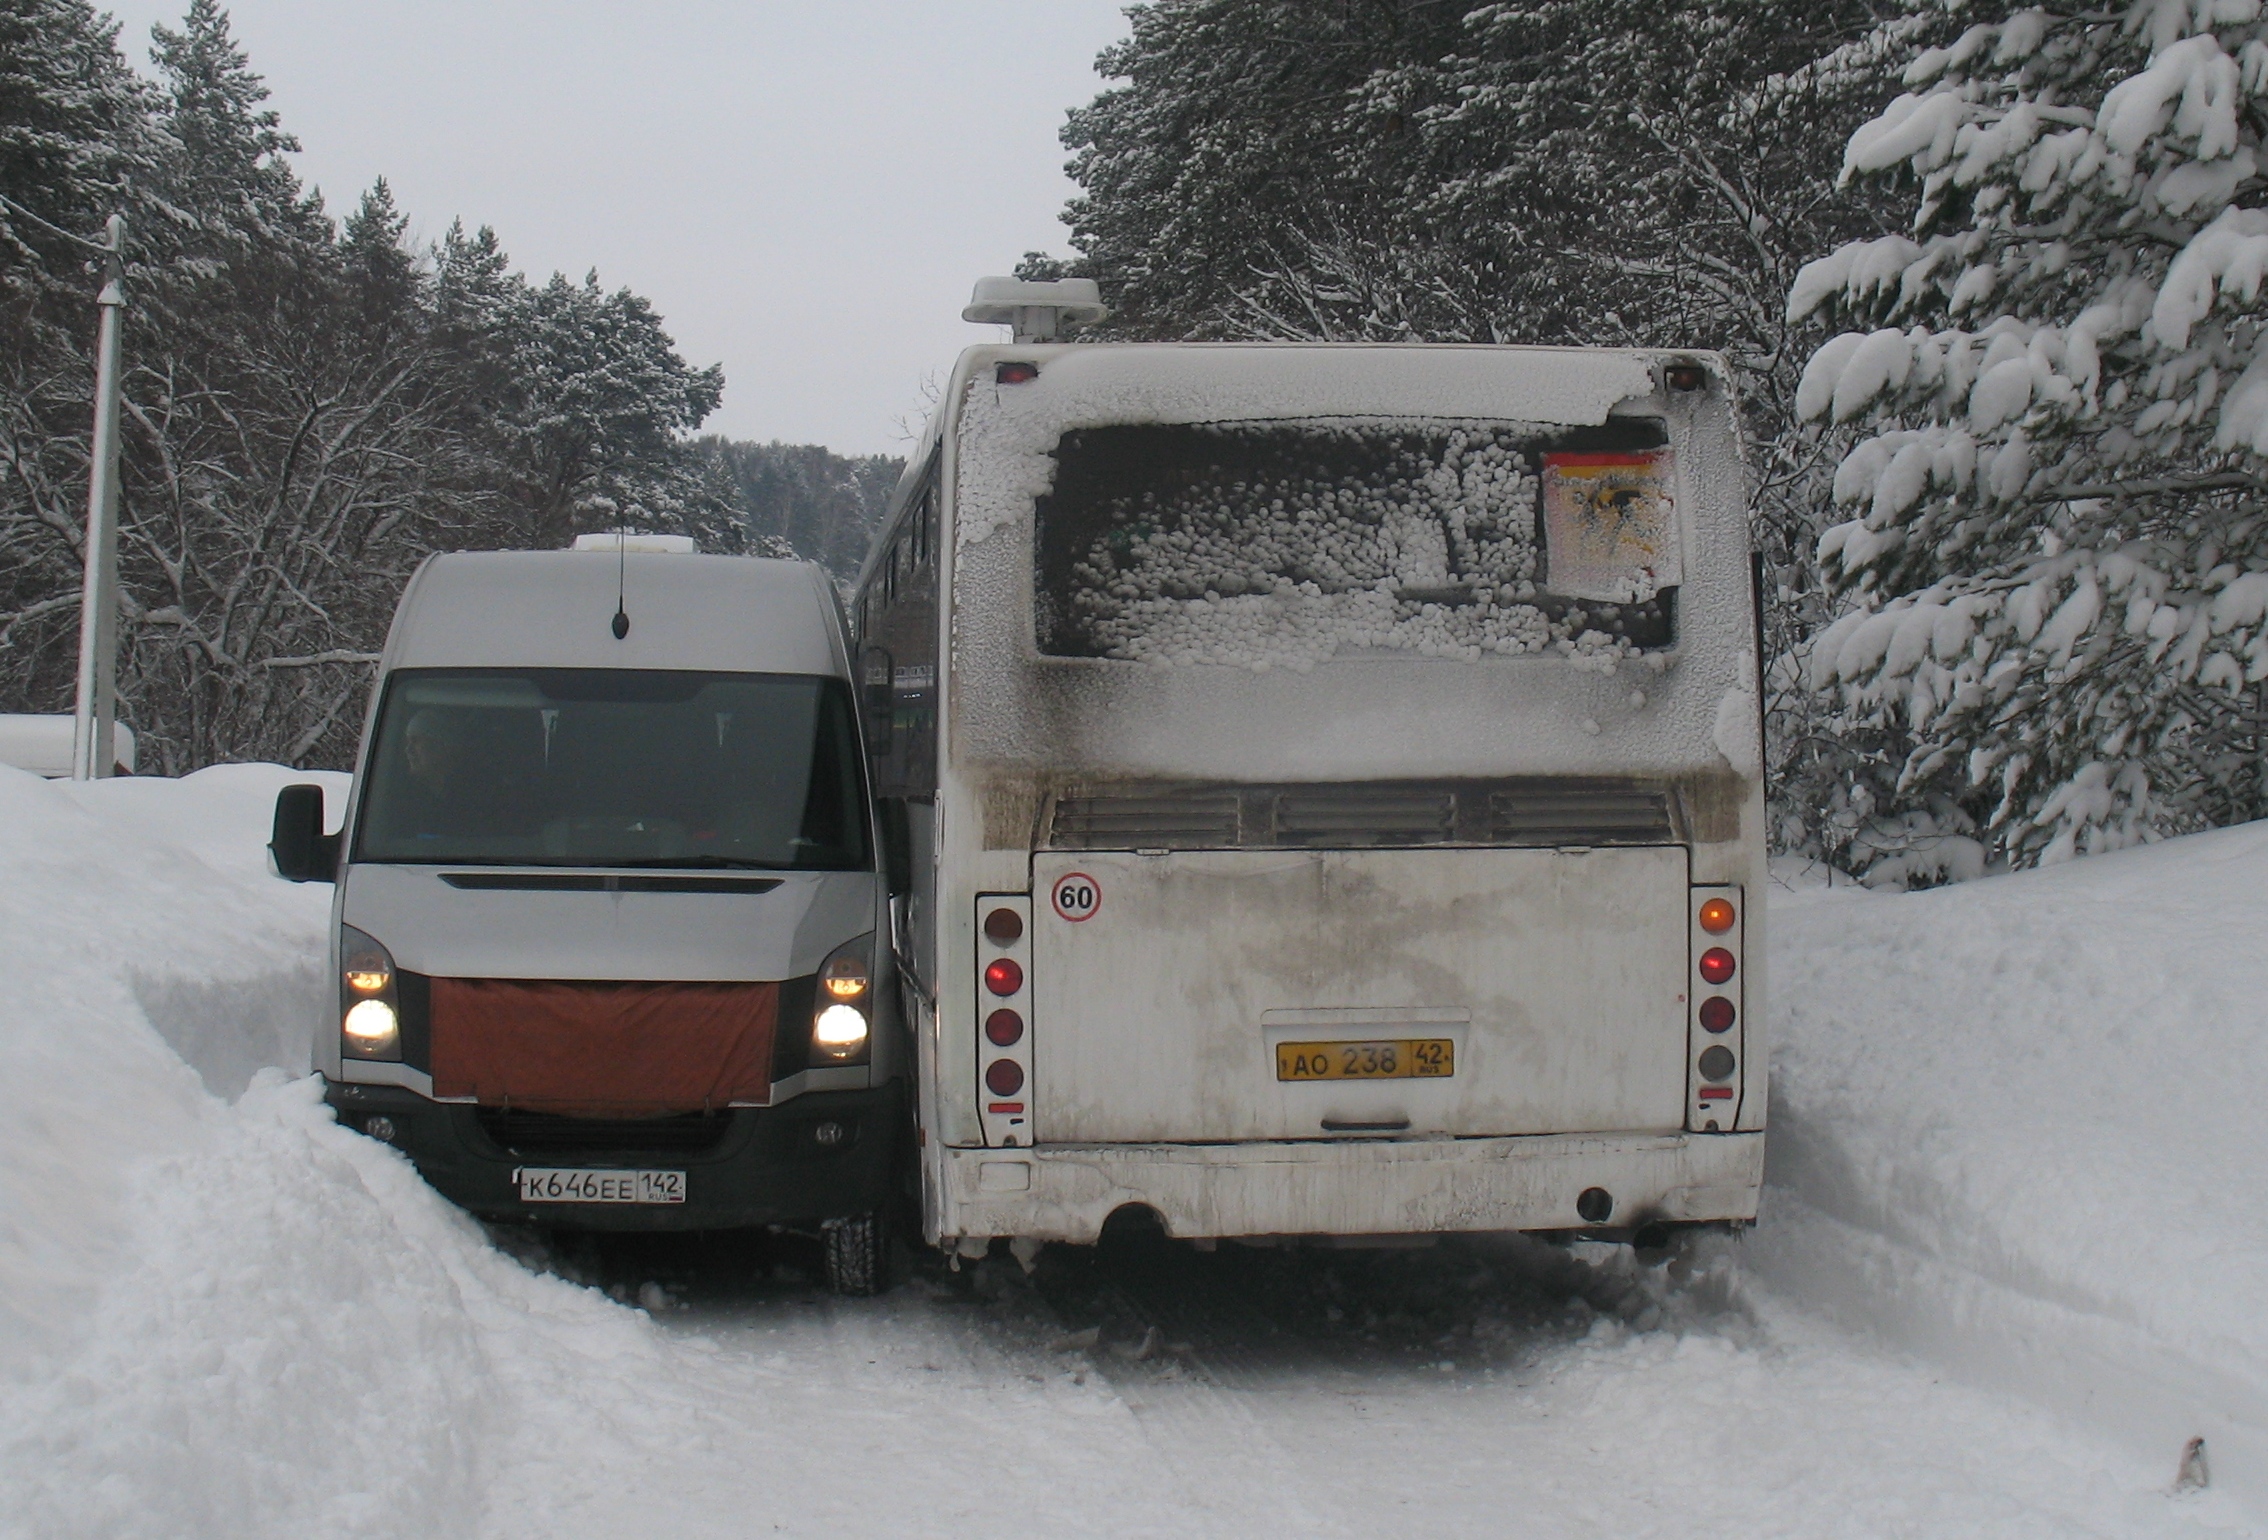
point(1558, 811)
point(548, 1133)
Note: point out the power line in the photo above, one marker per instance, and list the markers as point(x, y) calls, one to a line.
point(53, 228)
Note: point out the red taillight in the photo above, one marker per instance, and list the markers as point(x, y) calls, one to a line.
point(1004, 1077)
point(1017, 373)
point(1003, 927)
point(1717, 916)
point(1716, 966)
point(1716, 1014)
point(1003, 1028)
point(1005, 976)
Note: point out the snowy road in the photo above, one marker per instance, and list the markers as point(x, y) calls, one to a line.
point(1494, 1388)
point(224, 1316)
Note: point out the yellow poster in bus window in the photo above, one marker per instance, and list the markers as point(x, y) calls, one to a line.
point(1610, 524)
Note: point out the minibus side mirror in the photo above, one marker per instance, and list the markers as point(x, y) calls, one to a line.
point(300, 849)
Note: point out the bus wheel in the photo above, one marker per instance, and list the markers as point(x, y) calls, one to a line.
point(858, 1252)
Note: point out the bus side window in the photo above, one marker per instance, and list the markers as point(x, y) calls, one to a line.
point(897, 845)
point(876, 671)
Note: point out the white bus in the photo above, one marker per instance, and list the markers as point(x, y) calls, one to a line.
point(1325, 788)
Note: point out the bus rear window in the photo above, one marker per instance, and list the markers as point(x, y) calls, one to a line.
point(1283, 544)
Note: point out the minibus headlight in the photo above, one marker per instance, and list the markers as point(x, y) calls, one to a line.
point(843, 978)
point(373, 1030)
point(841, 1023)
point(839, 1032)
point(370, 1022)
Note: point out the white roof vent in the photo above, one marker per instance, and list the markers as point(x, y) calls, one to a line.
point(1038, 311)
point(634, 540)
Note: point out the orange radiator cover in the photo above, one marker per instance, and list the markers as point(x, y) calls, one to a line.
point(603, 1049)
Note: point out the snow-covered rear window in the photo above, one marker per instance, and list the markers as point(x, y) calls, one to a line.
point(1286, 543)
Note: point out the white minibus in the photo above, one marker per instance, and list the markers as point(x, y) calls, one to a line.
point(608, 895)
point(1323, 790)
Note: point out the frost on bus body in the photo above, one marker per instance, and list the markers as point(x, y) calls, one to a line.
point(1382, 709)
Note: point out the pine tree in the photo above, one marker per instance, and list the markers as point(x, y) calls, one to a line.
point(599, 403)
point(228, 167)
point(2054, 537)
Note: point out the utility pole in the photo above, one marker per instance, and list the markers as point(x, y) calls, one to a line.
point(94, 724)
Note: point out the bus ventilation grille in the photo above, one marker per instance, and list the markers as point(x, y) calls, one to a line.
point(1574, 813)
point(1199, 822)
point(1563, 811)
point(1363, 815)
point(547, 1133)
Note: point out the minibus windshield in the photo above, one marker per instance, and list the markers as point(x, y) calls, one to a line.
point(614, 767)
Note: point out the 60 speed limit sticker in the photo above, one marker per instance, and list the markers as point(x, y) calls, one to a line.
point(1077, 896)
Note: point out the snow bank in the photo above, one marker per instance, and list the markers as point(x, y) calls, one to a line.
point(2016, 1126)
point(223, 1318)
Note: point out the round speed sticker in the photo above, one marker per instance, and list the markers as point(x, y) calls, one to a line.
point(1077, 896)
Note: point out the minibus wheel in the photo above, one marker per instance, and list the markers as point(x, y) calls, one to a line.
point(857, 1254)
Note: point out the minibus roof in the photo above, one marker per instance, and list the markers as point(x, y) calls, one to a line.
point(555, 609)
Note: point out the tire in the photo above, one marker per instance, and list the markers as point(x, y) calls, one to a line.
point(858, 1253)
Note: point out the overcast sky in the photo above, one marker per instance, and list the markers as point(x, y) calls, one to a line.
point(806, 191)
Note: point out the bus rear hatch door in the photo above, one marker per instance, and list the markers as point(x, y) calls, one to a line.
point(1222, 995)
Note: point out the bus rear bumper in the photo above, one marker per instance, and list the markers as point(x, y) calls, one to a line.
point(1066, 1192)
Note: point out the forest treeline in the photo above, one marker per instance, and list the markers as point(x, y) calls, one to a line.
point(311, 405)
point(1988, 277)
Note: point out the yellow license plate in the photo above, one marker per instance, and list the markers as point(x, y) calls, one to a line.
point(1409, 1058)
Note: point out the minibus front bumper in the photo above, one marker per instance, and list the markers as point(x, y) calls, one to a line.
point(819, 1156)
point(1347, 1187)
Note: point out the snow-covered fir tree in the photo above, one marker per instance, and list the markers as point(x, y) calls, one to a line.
point(2053, 529)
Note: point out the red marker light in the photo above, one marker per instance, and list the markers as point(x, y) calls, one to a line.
point(1005, 976)
point(1017, 373)
point(1716, 966)
point(1003, 1028)
point(1717, 1013)
point(1716, 1093)
point(1004, 1077)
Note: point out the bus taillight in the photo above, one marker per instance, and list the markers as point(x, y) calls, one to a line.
point(1003, 1057)
point(1714, 1039)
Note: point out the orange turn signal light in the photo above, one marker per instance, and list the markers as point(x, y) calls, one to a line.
point(1717, 916)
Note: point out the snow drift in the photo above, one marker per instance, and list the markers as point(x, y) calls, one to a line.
point(2016, 1127)
point(224, 1318)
